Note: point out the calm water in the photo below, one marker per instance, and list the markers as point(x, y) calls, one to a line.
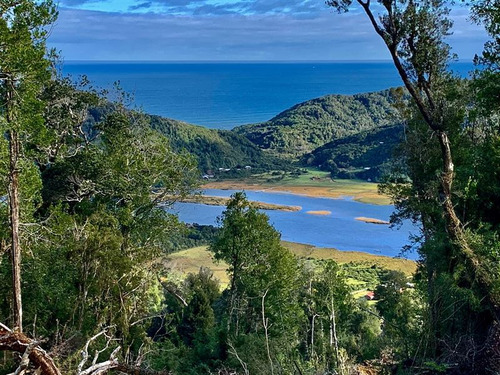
point(339, 230)
point(223, 95)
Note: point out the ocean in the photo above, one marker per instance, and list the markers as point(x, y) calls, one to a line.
point(225, 95)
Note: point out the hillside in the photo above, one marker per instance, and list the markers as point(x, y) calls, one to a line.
point(311, 124)
point(365, 155)
point(213, 148)
point(344, 135)
point(319, 132)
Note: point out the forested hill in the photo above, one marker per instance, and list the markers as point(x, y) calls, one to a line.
point(311, 124)
point(213, 148)
point(365, 155)
point(339, 133)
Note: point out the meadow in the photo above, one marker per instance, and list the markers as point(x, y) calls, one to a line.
point(362, 269)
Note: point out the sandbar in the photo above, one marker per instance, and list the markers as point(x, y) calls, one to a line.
point(320, 213)
point(222, 201)
point(370, 220)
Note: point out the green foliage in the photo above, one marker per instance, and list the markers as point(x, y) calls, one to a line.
point(198, 318)
point(364, 155)
point(312, 124)
point(96, 224)
point(262, 271)
point(399, 306)
point(369, 275)
point(458, 274)
point(214, 148)
point(192, 235)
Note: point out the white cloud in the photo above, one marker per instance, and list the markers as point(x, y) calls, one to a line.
point(261, 33)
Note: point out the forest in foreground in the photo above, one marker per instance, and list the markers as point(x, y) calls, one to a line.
point(84, 287)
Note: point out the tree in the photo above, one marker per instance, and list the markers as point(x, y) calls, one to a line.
point(23, 70)
point(329, 306)
point(414, 34)
point(398, 306)
point(443, 135)
point(85, 204)
point(264, 281)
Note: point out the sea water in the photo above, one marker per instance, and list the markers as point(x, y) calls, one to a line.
point(224, 95)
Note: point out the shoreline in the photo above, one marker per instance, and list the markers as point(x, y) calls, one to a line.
point(349, 190)
point(190, 260)
point(222, 201)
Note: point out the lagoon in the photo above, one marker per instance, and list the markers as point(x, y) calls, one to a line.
point(339, 230)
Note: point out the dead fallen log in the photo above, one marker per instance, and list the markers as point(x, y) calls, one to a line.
point(33, 355)
point(20, 343)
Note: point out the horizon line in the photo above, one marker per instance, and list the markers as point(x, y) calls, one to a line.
point(239, 61)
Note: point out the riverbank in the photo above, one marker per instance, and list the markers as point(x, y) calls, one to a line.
point(315, 184)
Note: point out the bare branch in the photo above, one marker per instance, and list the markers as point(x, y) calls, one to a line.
point(85, 350)
point(25, 360)
point(103, 367)
point(235, 353)
point(18, 342)
point(171, 289)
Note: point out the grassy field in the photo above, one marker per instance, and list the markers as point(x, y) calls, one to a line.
point(190, 261)
point(341, 257)
point(314, 183)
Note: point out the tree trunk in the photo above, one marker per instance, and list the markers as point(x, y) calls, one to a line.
point(13, 196)
point(265, 323)
point(454, 226)
point(312, 335)
point(333, 331)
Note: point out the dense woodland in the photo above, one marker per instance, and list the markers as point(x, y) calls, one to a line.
point(367, 155)
point(311, 124)
point(84, 286)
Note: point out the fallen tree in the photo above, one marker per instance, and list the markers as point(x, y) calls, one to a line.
point(36, 358)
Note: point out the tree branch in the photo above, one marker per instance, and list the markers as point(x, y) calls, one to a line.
point(25, 360)
point(20, 343)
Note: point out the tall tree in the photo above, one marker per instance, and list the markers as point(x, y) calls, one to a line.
point(264, 281)
point(414, 33)
point(459, 260)
point(24, 68)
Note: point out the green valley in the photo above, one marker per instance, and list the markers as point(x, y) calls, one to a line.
point(349, 136)
point(365, 155)
point(214, 148)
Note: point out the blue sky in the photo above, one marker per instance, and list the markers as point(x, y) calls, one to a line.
point(172, 30)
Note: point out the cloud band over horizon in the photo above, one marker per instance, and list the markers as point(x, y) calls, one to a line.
point(194, 30)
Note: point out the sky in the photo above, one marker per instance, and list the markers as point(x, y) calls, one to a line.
point(227, 30)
